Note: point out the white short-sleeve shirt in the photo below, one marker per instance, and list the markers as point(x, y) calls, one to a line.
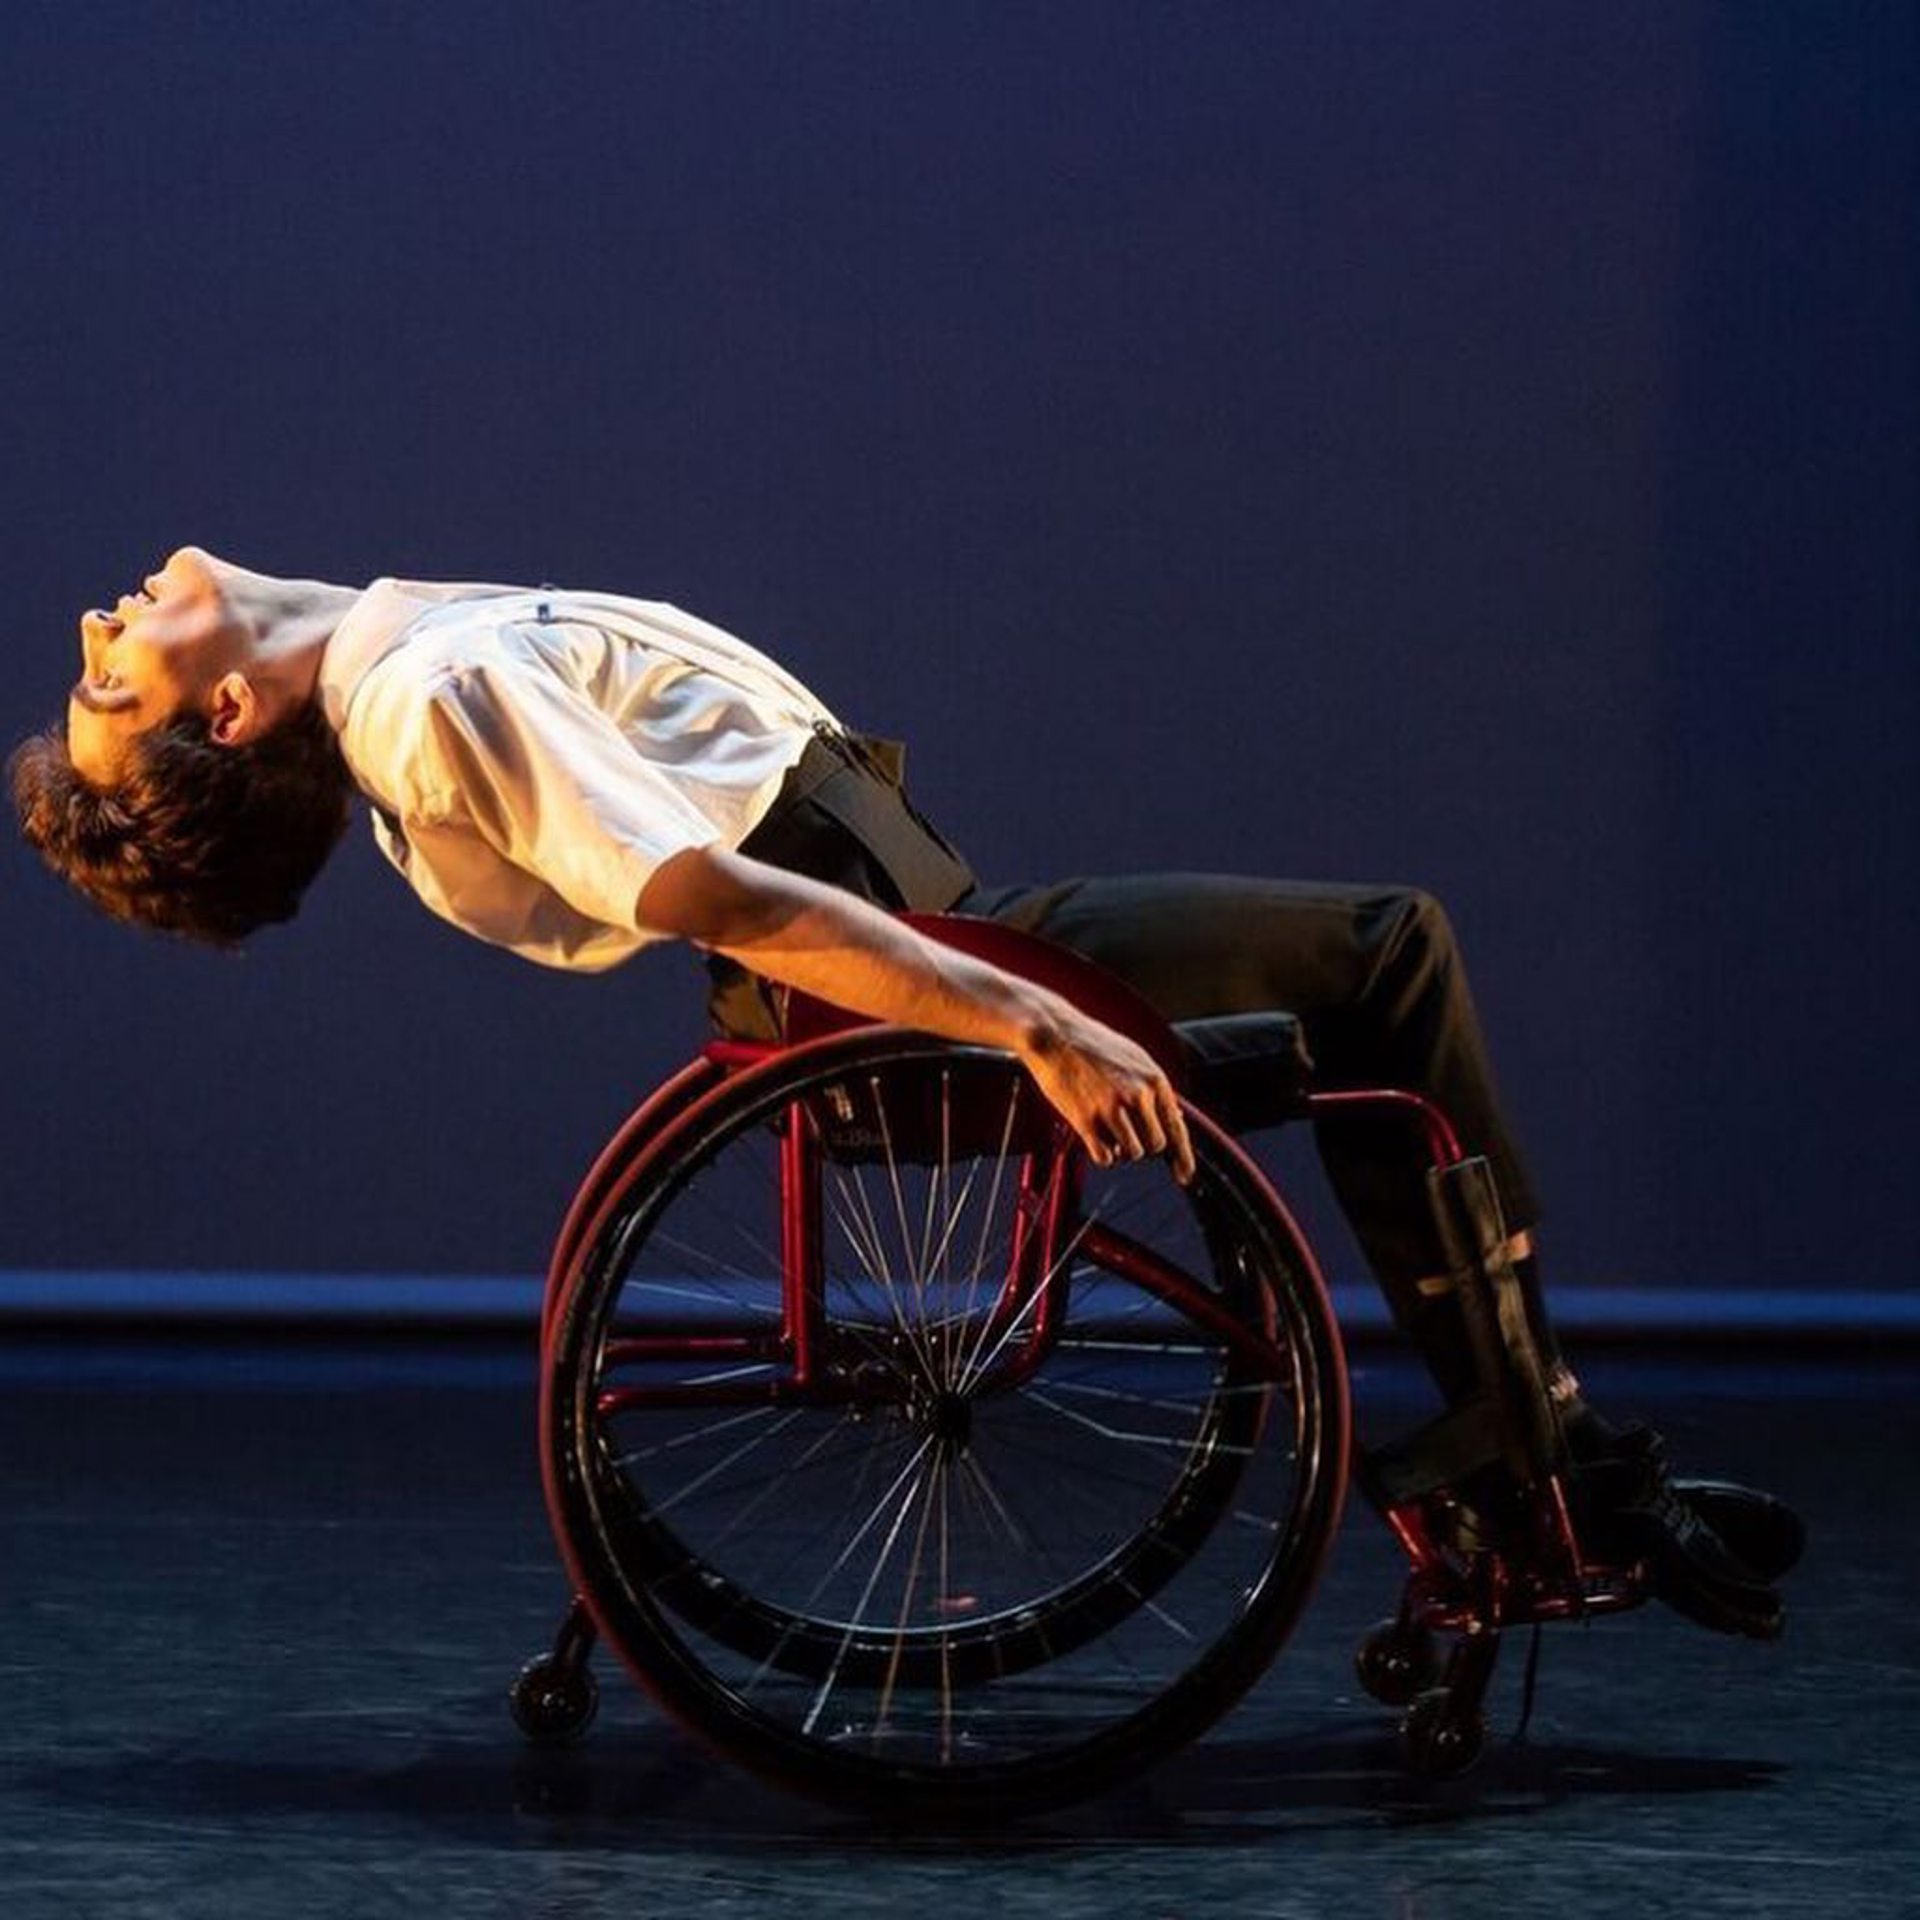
point(534, 754)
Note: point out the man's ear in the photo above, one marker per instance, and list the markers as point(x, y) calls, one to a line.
point(234, 717)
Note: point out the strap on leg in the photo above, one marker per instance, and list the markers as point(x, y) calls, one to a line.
point(1473, 1231)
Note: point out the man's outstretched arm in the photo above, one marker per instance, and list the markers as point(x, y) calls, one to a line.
point(840, 949)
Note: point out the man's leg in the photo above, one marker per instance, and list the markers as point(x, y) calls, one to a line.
point(1376, 980)
point(1375, 977)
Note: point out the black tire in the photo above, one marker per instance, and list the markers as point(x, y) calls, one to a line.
point(974, 1651)
point(942, 1690)
point(554, 1702)
point(1438, 1740)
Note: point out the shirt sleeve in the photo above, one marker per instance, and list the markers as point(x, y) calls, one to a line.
point(551, 783)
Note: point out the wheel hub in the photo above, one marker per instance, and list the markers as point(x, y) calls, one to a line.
point(948, 1418)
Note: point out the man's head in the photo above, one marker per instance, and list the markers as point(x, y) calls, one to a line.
point(195, 785)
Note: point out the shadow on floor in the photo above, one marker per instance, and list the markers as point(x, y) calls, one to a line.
point(645, 1788)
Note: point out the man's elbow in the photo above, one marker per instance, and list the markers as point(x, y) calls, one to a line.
point(713, 898)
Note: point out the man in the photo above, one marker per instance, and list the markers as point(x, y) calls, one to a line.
point(577, 775)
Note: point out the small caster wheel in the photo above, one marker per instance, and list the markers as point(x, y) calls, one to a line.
point(554, 1704)
point(1396, 1662)
point(1437, 1739)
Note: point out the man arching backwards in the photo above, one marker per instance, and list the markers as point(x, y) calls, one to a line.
point(577, 775)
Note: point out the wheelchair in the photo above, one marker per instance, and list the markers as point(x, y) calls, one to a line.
point(924, 1467)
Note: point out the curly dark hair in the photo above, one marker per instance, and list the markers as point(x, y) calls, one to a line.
point(193, 838)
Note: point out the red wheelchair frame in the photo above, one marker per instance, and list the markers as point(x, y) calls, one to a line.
point(1463, 1580)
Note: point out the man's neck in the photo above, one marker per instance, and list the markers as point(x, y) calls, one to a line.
point(289, 623)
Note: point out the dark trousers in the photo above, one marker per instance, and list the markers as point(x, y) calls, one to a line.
point(1373, 974)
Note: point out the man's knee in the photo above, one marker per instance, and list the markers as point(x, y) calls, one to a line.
point(1417, 929)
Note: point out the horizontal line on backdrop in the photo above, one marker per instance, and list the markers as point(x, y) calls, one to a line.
point(364, 1302)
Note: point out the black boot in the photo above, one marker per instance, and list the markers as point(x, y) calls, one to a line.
point(1627, 1507)
point(1761, 1532)
point(1758, 1528)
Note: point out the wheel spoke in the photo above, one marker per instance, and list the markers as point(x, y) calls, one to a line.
point(991, 1212)
point(738, 1454)
point(693, 1437)
point(971, 1373)
point(867, 1232)
point(764, 1485)
point(946, 1643)
point(1128, 1435)
point(906, 1473)
point(1208, 1394)
point(1114, 1646)
point(914, 1279)
point(906, 1606)
point(866, 1593)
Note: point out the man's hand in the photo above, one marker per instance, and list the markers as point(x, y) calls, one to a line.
point(839, 949)
point(1111, 1092)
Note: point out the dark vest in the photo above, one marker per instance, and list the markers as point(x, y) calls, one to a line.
point(842, 816)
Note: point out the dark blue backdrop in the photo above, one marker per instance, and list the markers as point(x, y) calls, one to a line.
point(1469, 444)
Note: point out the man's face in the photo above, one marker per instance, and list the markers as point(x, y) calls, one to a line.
point(157, 653)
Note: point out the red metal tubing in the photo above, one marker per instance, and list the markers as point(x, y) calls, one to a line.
point(1145, 1268)
point(1458, 1615)
point(1443, 1143)
point(1408, 1525)
point(735, 1054)
point(1009, 1301)
point(1037, 1262)
point(695, 1083)
point(662, 1104)
point(693, 1346)
point(1062, 1192)
point(802, 1283)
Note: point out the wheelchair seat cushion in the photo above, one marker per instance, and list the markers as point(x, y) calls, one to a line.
point(1248, 1070)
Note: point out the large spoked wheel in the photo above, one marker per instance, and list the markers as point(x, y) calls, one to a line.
point(1027, 1496)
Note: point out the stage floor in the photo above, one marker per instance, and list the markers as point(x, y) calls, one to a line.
point(261, 1604)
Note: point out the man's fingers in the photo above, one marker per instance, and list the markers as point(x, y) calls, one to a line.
point(1179, 1144)
point(1134, 1114)
point(1151, 1125)
point(1126, 1139)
